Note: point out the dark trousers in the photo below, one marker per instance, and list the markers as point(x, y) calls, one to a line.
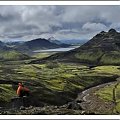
point(24, 93)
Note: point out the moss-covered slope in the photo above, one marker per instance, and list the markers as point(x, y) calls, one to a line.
point(104, 48)
point(12, 55)
point(53, 83)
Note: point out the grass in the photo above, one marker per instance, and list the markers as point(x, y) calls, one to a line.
point(106, 94)
point(6, 92)
point(107, 69)
point(112, 57)
point(12, 55)
point(42, 55)
point(56, 84)
point(99, 57)
point(89, 56)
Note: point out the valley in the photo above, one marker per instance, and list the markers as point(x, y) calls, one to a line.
point(84, 80)
point(52, 83)
point(60, 59)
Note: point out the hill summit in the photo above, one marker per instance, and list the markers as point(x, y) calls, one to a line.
point(103, 48)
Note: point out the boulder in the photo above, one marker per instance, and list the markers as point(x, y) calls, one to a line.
point(17, 102)
point(74, 105)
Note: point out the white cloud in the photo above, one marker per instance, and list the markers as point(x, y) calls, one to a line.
point(115, 25)
point(62, 22)
point(93, 27)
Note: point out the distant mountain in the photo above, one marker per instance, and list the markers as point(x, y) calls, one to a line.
point(74, 41)
point(2, 45)
point(58, 42)
point(38, 44)
point(53, 40)
point(8, 53)
point(12, 44)
point(35, 44)
point(104, 48)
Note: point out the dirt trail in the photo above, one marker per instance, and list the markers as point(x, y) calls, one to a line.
point(84, 95)
point(91, 102)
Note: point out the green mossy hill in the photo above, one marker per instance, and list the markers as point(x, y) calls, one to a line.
point(102, 49)
point(108, 95)
point(12, 55)
point(54, 83)
point(6, 93)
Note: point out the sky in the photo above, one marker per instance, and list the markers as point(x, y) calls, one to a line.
point(62, 22)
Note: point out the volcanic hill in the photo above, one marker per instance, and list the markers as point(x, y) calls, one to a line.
point(104, 48)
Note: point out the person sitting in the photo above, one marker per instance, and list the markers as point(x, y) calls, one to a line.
point(22, 91)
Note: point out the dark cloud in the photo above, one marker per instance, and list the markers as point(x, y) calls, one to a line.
point(62, 22)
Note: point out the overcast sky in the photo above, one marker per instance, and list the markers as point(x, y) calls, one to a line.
point(61, 22)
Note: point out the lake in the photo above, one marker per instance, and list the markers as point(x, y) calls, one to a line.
point(56, 50)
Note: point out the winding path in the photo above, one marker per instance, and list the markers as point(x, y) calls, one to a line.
point(85, 94)
point(91, 102)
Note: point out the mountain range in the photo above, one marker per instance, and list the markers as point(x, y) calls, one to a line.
point(18, 48)
point(39, 44)
point(103, 48)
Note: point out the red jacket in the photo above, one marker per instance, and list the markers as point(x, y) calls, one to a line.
point(21, 88)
